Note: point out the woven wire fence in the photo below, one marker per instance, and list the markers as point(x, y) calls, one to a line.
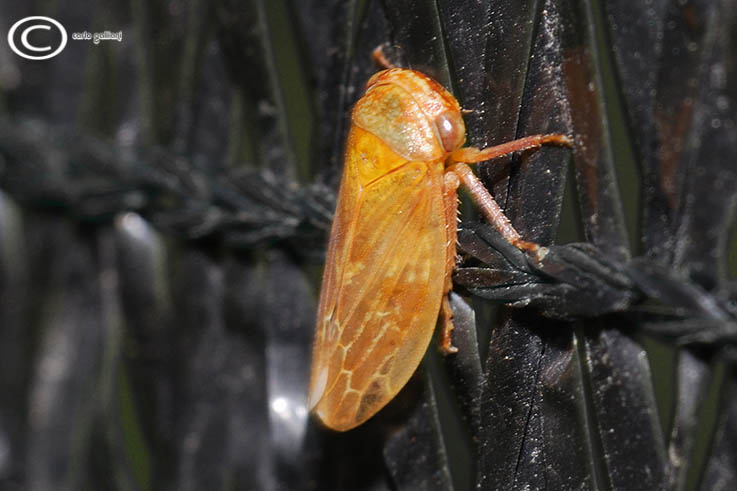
point(164, 207)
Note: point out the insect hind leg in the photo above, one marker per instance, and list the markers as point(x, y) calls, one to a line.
point(450, 204)
point(446, 317)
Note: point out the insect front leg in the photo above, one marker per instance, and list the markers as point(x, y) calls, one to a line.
point(491, 210)
point(471, 155)
point(450, 204)
point(481, 196)
point(380, 58)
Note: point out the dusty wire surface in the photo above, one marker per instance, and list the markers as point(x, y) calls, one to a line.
point(153, 270)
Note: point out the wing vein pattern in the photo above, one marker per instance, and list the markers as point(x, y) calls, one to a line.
point(381, 290)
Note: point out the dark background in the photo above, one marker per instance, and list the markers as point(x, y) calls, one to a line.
point(164, 204)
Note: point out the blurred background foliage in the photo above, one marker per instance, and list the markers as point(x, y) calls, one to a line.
point(165, 200)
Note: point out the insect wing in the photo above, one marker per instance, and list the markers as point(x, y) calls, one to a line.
point(382, 289)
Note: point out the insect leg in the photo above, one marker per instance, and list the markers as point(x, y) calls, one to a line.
point(381, 59)
point(471, 155)
point(446, 317)
point(491, 209)
point(481, 195)
point(450, 204)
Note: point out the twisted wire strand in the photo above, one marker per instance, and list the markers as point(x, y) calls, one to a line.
point(96, 180)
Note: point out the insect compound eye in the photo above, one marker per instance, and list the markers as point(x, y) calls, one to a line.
point(449, 131)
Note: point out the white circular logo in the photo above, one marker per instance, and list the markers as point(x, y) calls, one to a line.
point(26, 26)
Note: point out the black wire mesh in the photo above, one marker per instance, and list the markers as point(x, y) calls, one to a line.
point(162, 227)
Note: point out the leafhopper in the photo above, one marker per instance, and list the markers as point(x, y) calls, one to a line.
point(392, 245)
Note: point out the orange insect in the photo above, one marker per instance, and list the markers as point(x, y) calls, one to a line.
point(393, 243)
